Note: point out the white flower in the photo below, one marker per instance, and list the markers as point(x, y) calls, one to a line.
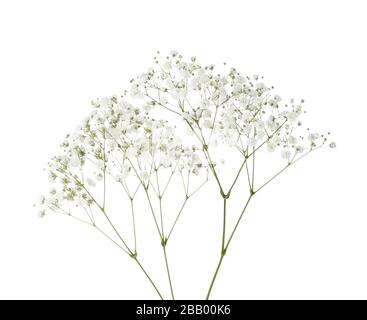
point(145, 156)
point(292, 140)
point(100, 164)
point(144, 176)
point(202, 76)
point(81, 203)
point(271, 146)
point(74, 161)
point(59, 197)
point(115, 132)
point(90, 182)
point(277, 98)
point(260, 85)
point(207, 124)
point(299, 149)
point(218, 110)
point(163, 100)
point(118, 177)
point(177, 140)
point(186, 116)
point(52, 176)
point(167, 66)
point(41, 200)
point(285, 154)
point(206, 113)
point(292, 116)
point(41, 213)
point(111, 145)
point(135, 91)
point(131, 152)
point(165, 161)
point(185, 73)
point(313, 136)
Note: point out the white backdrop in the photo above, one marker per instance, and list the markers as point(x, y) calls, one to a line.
point(304, 236)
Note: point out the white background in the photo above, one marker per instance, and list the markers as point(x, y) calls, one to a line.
point(304, 236)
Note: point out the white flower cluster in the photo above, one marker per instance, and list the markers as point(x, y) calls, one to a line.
point(122, 138)
point(236, 110)
point(136, 139)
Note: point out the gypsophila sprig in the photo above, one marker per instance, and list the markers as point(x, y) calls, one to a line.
point(173, 125)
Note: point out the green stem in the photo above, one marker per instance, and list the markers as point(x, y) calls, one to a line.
point(162, 238)
point(224, 223)
point(214, 277)
point(168, 272)
point(133, 218)
point(149, 278)
point(225, 247)
point(152, 211)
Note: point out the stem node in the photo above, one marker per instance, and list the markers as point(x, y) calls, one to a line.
point(224, 195)
point(164, 241)
point(133, 255)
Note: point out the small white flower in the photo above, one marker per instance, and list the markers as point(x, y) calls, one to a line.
point(90, 182)
point(299, 149)
point(292, 140)
point(332, 145)
point(203, 77)
point(131, 152)
point(145, 176)
point(207, 124)
point(292, 116)
point(164, 100)
point(100, 164)
point(41, 200)
point(185, 74)
point(285, 154)
point(260, 85)
point(52, 176)
point(115, 132)
point(118, 177)
point(186, 116)
point(167, 66)
point(312, 137)
point(165, 161)
point(213, 143)
point(277, 98)
point(74, 161)
point(81, 203)
point(270, 146)
point(41, 213)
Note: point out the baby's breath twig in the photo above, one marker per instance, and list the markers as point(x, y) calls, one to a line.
point(123, 138)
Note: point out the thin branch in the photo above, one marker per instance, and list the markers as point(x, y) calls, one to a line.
point(238, 222)
point(177, 217)
point(133, 218)
point(253, 170)
point(162, 105)
point(287, 166)
point(237, 176)
point(224, 224)
point(260, 145)
point(152, 211)
point(248, 175)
